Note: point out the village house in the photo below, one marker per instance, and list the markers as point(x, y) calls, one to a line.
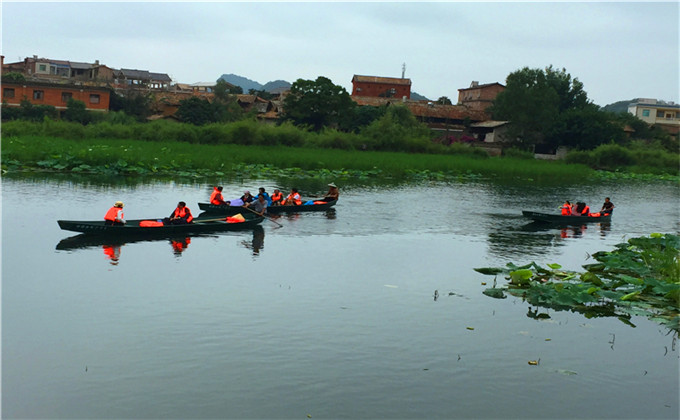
point(54, 94)
point(657, 113)
point(381, 87)
point(479, 97)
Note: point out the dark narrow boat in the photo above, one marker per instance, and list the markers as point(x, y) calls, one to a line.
point(567, 220)
point(201, 224)
point(222, 209)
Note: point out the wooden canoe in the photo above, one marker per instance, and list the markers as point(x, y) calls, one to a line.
point(566, 220)
point(201, 224)
point(222, 209)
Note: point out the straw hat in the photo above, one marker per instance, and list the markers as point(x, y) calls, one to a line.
point(118, 204)
point(332, 185)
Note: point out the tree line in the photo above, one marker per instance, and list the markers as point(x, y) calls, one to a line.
point(545, 107)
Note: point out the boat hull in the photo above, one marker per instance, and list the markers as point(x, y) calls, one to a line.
point(221, 209)
point(132, 228)
point(567, 220)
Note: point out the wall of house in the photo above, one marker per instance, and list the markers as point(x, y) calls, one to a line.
point(57, 96)
point(377, 89)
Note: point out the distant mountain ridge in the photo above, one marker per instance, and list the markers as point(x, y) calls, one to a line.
point(247, 84)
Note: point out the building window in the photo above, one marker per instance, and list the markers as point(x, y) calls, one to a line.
point(42, 67)
point(8, 92)
point(645, 113)
point(94, 98)
point(38, 94)
point(659, 114)
point(65, 96)
point(670, 115)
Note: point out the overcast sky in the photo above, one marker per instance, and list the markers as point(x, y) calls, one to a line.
point(618, 50)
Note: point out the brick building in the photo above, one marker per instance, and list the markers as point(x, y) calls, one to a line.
point(54, 94)
point(479, 97)
point(381, 87)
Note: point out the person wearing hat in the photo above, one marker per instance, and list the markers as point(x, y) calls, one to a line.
point(115, 216)
point(247, 197)
point(332, 193)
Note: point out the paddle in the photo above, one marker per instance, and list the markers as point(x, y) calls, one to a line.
point(264, 215)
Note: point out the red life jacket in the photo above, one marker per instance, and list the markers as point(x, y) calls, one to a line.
point(184, 213)
point(276, 197)
point(216, 197)
point(295, 198)
point(112, 214)
point(566, 210)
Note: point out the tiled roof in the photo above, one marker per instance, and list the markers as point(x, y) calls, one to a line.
point(385, 80)
point(424, 109)
point(160, 77)
point(489, 124)
point(481, 86)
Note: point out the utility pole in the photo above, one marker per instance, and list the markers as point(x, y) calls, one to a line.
point(403, 70)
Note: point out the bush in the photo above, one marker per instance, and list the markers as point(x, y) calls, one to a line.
point(580, 157)
point(514, 152)
point(612, 156)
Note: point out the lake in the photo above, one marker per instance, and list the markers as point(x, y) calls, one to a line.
point(331, 315)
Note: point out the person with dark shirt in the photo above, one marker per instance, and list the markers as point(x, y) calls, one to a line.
point(247, 197)
point(607, 207)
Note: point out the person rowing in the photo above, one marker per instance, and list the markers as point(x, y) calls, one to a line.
point(332, 193)
point(258, 206)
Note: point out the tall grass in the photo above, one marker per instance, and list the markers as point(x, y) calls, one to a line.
point(51, 152)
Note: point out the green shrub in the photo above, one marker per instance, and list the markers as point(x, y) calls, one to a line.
point(580, 156)
point(612, 156)
point(518, 153)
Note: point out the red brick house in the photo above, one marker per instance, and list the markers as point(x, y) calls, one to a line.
point(54, 94)
point(479, 97)
point(381, 87)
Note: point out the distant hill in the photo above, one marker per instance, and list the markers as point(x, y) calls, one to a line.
point(276, 86)
point(417, 97)
point(247, 84)
point(618, 107)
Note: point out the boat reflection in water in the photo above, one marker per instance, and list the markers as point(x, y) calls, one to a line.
point(111, 247)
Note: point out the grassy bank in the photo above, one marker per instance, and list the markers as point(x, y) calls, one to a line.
point(93, 155)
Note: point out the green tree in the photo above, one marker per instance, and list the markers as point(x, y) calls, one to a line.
point(584, 129)
point(13, 77)
point(226, 106)
point(318, 104)
point(198, 111)
point(76, 111)
point(397, 130)
point(534, 99)
point(132, 102)
point(443, 100)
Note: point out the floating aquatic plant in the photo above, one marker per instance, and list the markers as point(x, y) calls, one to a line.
point(638, 277)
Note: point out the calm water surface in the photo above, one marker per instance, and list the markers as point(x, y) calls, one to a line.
point(330, 316)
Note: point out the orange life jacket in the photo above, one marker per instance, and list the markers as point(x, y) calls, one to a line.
point(585, 211)
point(276, 197)
point(216, 197)
point(295, 198)
point(566, 210)
point(112, 214)
point(184, 213)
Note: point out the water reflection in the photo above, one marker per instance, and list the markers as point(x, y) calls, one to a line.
point(179, 245)
point(112, 253)
point(258, 241)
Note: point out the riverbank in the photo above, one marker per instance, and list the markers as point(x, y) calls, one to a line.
point(136, 157)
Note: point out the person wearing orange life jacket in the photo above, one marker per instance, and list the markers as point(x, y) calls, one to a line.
point(293, 198)
point(114, 216)
point(216, 197)
point(277, 197)
point(180, 216)
point(566, 209)
point(581, 209)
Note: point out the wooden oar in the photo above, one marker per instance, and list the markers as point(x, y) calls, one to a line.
point(223, 219)
point(263, 215)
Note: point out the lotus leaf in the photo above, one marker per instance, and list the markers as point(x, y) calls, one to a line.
point(555, 266)
point(592, 278)
point(489, 270)
point(495, 293)
point(521, 276)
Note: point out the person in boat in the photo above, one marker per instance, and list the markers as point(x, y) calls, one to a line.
point(566, 209)
point(259, 206)
point(115, 216)
point(581, 209)
point(607, 207)
point(293, 198)
point(247, 197)
point(216, 197)
point(277, 197)
point(180, 216)
point(266, 196)
point(332, 193)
